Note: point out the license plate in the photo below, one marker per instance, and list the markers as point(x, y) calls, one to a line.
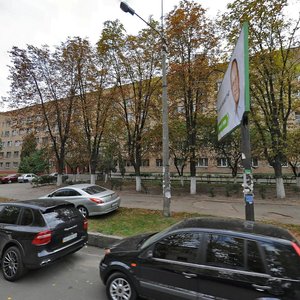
point(69, 237)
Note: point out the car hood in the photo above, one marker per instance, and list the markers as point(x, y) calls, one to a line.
point(130, 243)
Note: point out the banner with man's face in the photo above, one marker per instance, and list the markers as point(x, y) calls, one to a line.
point(233, 96)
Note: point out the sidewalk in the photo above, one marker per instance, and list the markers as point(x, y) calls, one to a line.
point(284, 211)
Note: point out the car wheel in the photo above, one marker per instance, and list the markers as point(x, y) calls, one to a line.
point(119, 287)
point(12, 264)
point(83, 211)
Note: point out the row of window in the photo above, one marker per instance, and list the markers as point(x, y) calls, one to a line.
point(18, 143)
point(8, 165)
point(201, 162)
point(9, 154)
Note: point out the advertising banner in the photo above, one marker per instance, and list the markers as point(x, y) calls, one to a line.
point(233, 97)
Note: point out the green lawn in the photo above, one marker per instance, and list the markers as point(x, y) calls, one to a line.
point(127, 221)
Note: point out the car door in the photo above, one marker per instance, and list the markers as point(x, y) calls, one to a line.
point(168, 269)
point(233, 269)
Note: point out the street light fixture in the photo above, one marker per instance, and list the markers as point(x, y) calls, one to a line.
point(165, 111)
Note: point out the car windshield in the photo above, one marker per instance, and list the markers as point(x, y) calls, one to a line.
point(94, 189)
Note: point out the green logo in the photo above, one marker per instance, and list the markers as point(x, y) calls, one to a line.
point(223, 123)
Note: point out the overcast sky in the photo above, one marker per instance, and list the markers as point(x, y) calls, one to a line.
point(39, 22)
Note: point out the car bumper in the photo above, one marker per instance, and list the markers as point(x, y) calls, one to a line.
point(45, 257)
point(104, 208)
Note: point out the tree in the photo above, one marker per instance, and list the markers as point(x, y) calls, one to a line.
point(36, 162)
point(273, 67)
point(136, 64)
point(47, 80)
point(293, 153)
point(92, 70)
point(29, 145)
point(191, 39)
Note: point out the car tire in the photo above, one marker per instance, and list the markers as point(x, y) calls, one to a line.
point(12, 264)
point(119, 286)
point(83, 211)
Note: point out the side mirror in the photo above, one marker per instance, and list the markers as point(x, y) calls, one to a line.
point(50, 195)
point(149, 254)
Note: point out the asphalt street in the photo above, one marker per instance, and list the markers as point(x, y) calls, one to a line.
point(74, 277)
point(285, 211)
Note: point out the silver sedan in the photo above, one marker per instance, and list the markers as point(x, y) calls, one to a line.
point(90, 199)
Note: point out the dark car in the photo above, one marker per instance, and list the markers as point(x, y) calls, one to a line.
point(10, 178)
point(205, 258)
point(34, 233)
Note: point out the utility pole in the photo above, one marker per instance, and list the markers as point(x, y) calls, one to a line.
point(165, 112)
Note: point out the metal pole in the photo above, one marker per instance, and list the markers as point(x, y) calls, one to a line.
point(165, 111)
point(247, 176)
point(166, 172)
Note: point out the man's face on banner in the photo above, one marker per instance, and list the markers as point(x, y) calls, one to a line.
point(235, 82)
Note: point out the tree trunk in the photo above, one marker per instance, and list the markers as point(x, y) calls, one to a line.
point(298, 181)
point(93, 178)
point(59, 180)
point(193, 187)
point(138, 183)
point(182, 180)
point(280, 191)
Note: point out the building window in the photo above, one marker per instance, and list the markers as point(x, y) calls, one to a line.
point(145, 163)
point(6, 133)
point(7, 165)
point(8, 154)
point(16, 154)
point(9, 143)
point(159, 162)
point(15, 164)
point(18, 143)
point(222, 162)
point(202, 162)
point(45, 140)
point(1, 164)
point(1, 154)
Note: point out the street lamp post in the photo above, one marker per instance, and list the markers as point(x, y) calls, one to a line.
point(165, 111)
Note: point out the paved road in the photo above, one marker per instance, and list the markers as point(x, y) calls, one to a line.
point(75, 277)
point(280, 210)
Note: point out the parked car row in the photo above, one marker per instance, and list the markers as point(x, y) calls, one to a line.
point(28, 177)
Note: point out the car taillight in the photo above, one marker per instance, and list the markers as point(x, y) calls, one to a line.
point(297, 248)
point(85, 224)
point(42, 238)
point(97, 200)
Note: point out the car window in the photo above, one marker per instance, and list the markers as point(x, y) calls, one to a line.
point(225, 251)
point(95, 189)
point(254, 260)
point(60, 193)
point(66, 193)
point(27, 217)
point(9, 214)
point(61, 215)
point(178, 247)
point(282, 260)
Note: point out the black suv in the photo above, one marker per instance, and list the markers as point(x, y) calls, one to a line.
point(34, 233)
point(205, 258)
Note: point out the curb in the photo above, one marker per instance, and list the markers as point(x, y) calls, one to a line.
point(102, 241)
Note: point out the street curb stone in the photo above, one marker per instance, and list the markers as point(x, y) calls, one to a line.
point(101, 240)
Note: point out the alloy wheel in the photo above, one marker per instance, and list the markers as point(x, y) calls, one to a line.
point(120, 289)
